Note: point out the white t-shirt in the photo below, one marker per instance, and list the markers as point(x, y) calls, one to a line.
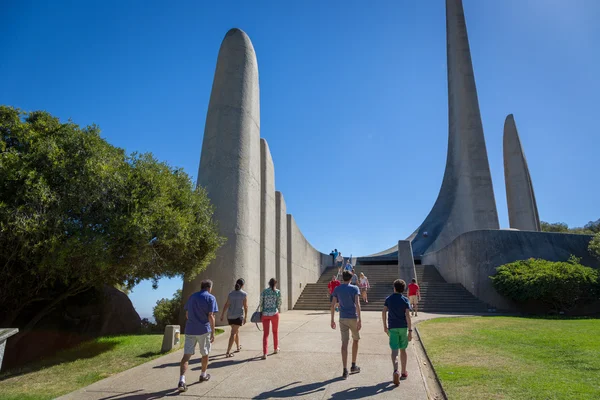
point(339, 258)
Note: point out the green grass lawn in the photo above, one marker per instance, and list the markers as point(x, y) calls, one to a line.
point(515, 358)
point(80, 366)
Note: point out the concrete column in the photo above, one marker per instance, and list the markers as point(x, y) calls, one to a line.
point(267, 215)
point(406, 262)
point(281, 266)
point(290, 282)
point(522, 207)
point(230, 170)
point(466, 200)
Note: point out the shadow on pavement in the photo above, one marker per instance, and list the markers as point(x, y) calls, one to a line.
point(144, 396)
point(363, 391)
point(287, 391)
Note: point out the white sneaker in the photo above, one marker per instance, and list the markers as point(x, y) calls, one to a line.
point(264, 357)
point(276, 351)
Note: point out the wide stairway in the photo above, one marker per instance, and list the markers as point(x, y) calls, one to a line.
point(436, 294)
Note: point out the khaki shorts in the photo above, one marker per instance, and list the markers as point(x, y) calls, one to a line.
point(413, 299)
point(203, 344)
point(348, 325)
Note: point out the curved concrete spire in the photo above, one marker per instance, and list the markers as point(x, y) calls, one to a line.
point(522, 207)
point(230, 168)
point(466, 200)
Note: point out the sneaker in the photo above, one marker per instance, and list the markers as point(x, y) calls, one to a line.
point(345, 374)
point(355, 369)
point(416, 315)
point(276, 351)
point(182, 386)
point(404, 375)
point(396, 378)
point(204, 378)
point(264, 357)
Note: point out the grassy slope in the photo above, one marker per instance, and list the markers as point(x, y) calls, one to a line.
point(515, 358)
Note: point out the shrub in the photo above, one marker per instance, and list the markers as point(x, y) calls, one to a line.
point(595, 245)
point(559, 285)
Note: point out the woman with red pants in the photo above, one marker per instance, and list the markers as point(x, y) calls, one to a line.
point(270, 304)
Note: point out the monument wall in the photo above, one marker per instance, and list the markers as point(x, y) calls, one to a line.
point(474, 256)
point(267, 214)
point(281, 267)
point(305, 263)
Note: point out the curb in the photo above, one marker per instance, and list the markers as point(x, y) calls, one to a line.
point(439, 389)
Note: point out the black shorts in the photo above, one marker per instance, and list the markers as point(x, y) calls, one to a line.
point(237, 321)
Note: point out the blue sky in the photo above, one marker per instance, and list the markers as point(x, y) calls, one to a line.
point(353, 97)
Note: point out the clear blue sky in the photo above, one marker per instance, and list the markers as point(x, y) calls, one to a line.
point(353, 97)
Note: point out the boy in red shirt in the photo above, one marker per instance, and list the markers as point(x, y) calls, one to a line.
point(331, 286)
point(414, 296)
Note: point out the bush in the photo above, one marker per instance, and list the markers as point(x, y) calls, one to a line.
point(595, 245)
point(166, 311)
point(559, 285)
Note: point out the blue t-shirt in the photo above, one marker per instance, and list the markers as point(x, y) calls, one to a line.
point(198, 306)
point(397, 305)
point(348, 267)
point(346, 296)
point(335, 254)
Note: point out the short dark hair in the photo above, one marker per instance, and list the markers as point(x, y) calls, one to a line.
point(347, 276)
point(399, 286)
point(206, 284)
point(414, 280)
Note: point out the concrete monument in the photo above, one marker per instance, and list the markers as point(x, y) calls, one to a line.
point(267, 215)
point(230, 169)
point(522, 207)
point(466, 200)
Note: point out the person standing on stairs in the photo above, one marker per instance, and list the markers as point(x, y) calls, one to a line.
point(398, 326)
point(237, 310)
point(332, 285)
point(348, 298)
point(414, 296)
point(270, 304)
point(363, 284)
point(339, 262)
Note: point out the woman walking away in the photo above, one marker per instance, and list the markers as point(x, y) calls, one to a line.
point(237, 310)
point(270, 304)
point(363, 283)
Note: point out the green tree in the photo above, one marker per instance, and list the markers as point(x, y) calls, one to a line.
point(595, 245)
point(560, 227)
point(166, 311)
point(77, 213)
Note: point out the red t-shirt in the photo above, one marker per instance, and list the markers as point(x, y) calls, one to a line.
point(332, 285)
point(413, 288)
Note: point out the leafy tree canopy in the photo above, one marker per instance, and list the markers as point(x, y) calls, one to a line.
point(588, 229)
point(77, 212)
point(166, 311)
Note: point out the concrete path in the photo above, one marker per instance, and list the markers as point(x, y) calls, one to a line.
point(308, 367)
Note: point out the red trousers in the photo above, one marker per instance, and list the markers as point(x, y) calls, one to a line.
point(266, 322)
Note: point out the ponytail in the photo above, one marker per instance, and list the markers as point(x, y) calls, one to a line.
point(239, 283)
point(272, 283)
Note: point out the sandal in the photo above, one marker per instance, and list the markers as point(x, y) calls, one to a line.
point(239, 349)
point(228, 355)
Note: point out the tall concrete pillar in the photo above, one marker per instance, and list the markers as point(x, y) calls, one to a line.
point(281, 266)
point(406, 261)
point(267, 215)
point(466, 200)
point(522, 207)
point(230, 169)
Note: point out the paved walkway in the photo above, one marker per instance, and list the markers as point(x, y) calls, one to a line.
point(308, 367)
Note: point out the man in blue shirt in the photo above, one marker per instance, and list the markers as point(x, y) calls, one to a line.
point(200, 312)
point(348, 298)
point(398, 326)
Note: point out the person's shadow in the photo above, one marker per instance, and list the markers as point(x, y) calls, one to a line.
point(296, 391)
point(363, 391)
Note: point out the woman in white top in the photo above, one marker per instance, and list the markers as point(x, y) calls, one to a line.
point(363, 283)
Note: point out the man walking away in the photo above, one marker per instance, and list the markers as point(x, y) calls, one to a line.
point(339, 262)
point(200, 312)
point(348, 298)
point(398, 326)
point(414, 296)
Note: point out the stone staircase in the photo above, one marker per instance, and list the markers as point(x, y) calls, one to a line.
point(436, 294)
point(439, 296)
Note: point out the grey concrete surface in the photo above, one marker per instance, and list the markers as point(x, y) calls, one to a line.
point(308, 367)
point(267, 215)
point(472, 257)
point(305, 263)
point(520, 197)
point(466, 200)
point(281, 249)
point(406, 261)
point(230, 169)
